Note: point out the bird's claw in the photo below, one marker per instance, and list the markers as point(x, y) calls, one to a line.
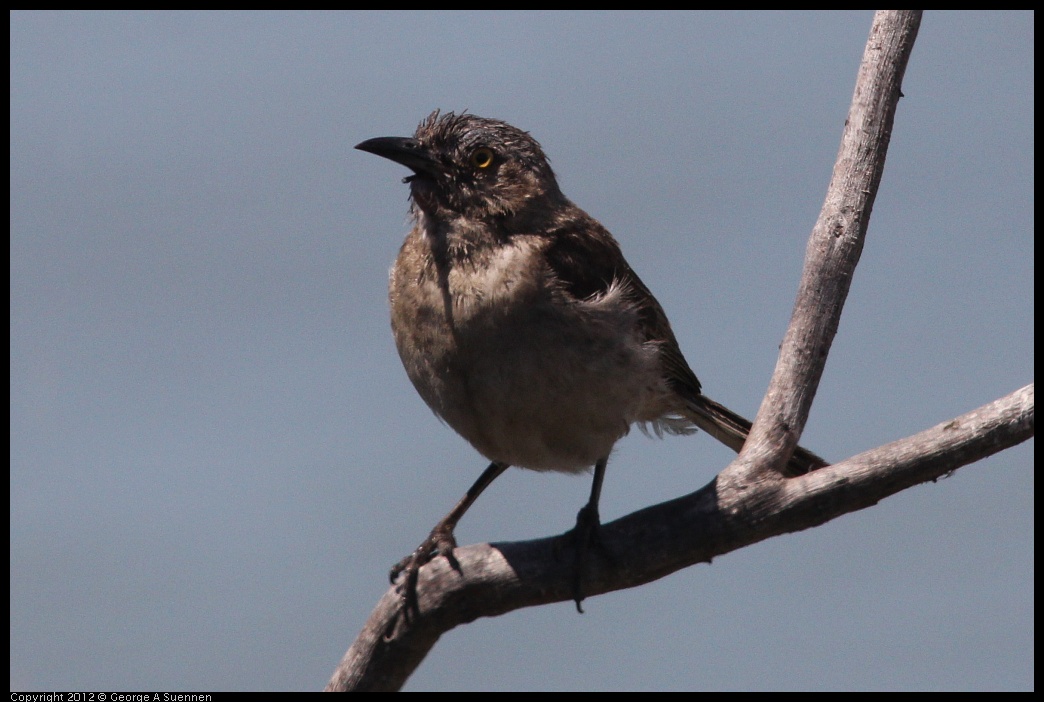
point(585, 535)
point(406, 571)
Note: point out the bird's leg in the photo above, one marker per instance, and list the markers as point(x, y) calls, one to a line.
point(585, 533)
point(440, 541)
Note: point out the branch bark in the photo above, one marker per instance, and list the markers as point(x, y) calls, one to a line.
point(750, 500)
point(834, 247)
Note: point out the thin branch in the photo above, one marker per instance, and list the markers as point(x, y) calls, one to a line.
point(834, 247)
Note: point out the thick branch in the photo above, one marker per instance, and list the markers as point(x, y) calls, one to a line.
point(659, 540)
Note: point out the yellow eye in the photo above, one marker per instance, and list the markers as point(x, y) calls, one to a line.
point(482, 157)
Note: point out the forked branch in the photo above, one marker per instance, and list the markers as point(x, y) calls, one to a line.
point(750, 500)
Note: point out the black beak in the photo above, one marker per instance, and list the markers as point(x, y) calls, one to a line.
point(409, 152)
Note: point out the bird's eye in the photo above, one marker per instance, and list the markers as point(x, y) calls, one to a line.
point(482, 157)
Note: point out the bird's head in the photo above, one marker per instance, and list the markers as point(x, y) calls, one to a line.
point(469, 166)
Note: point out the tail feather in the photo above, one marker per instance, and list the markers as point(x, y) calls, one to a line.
point(731, 429)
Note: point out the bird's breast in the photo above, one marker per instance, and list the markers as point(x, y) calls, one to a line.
point(528, 375)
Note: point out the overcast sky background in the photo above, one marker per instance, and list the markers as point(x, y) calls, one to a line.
point(216, 455)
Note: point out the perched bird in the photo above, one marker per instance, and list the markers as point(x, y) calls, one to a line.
point(521, 324)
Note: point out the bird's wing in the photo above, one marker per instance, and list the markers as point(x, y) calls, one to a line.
point(586, 261)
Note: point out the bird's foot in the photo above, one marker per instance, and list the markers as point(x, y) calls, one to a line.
point(440, 542)
point(585, 536)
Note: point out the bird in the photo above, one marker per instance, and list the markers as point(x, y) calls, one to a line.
point(522, 326)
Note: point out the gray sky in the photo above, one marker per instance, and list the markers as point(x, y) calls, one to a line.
point(216, 455)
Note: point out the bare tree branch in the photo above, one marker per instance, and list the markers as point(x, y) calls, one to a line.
point(834, 247)
point(750, 500)
point(659, 540)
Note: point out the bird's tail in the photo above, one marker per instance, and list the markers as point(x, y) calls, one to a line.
point(731, 429)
